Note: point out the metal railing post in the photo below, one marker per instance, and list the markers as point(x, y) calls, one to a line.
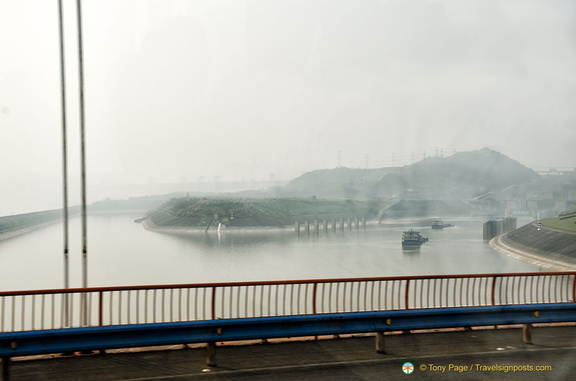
point(573, 288)
point(406, 306)
point(493, 290)
point(380, 343)
point(211, 353)
point(213, 302)
point(527, 333)
point(314, 298)
point(100, 308)
point(6, 368)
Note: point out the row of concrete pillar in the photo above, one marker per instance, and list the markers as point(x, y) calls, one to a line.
point(326, 225)
point(499, 226)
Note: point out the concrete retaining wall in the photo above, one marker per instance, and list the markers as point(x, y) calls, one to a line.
point(539, 245)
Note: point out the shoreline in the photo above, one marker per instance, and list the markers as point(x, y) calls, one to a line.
point(530, 257)
point(21, 231)
point(30, 228)
point(151, 226)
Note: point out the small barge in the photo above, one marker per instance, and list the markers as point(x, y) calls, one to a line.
point(440, 225)
point(412, 238)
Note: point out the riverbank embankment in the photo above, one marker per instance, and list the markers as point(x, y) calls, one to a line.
point(18, 224)
point(20, 231)
point(538, 245)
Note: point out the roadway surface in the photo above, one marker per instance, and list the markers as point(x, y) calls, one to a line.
point(456, 355)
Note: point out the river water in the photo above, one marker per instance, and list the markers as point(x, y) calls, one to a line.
point(121, 252)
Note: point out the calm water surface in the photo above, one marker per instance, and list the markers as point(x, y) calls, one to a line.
point(121, 252)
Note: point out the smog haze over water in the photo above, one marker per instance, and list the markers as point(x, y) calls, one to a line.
point(230, 90)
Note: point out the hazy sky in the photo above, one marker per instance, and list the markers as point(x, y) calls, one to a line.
point(256, 89)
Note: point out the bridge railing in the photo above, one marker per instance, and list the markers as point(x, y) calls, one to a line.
point(104, 306)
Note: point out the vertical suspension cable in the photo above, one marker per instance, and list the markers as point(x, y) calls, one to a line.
point(64, 154)
point(82, 143)
point(82, 160)
point(64, 143)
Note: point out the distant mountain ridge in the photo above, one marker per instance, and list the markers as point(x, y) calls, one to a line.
point(433, 186)
point(460, 176)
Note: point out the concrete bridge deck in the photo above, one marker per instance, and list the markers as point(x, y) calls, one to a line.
point(485, 352)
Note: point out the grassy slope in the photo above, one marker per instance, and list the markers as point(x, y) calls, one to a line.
point(256, 212)
point(565, 222)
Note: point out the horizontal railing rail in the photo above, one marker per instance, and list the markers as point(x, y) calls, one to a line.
point(14, 344)
point(107, 306)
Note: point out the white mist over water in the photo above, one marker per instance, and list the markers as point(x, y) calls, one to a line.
point(121, 252)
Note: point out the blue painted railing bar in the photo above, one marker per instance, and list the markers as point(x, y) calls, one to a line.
point(138, 335)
